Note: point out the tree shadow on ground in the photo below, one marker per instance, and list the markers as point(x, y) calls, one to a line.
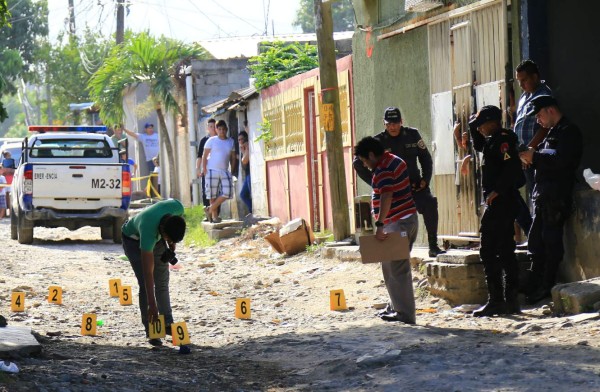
point(402, 358)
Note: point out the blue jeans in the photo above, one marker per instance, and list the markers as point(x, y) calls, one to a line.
point(161, 279)
point(246, 193)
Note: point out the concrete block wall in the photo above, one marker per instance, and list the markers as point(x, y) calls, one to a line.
point(216, 79)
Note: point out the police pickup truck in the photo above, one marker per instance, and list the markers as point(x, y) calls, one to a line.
point(69, 176)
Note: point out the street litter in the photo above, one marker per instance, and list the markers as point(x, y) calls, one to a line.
point(9, 367)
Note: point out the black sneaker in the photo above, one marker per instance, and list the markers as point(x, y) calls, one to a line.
point(394, 317)
point(155, 342)
point(433, 252)
point(387, 310)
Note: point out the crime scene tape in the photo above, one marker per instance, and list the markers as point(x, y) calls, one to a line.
point(150, 189)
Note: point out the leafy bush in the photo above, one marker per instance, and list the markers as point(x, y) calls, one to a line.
point(195, 234)
point(280, 60)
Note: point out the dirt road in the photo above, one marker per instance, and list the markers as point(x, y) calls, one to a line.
point(292, 342)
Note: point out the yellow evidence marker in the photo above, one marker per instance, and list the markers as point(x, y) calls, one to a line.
point(158, 329)
point(125, 295)
point(180, 334)
point(55, 295)
point(242, 308)
point(17, 302)
point(114, 285)
point(337, 300)
point(88, 324)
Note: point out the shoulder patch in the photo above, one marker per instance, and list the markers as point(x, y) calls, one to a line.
point(504, 147)
point(506, 156)
point(421, 144)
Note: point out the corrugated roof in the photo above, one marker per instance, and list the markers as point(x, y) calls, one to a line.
point(235, 98)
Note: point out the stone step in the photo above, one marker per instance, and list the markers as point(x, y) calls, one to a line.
point(577, 297)
point(18, 340)
point(206, 226)
point(221, 234)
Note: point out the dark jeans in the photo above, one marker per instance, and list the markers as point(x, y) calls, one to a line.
point(161, 279)
point(246, 193)
point(205, 200)
point(524, 216)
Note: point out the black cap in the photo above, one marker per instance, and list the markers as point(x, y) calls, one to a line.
point(392, 115)
point(540, 102)
point(487, 113)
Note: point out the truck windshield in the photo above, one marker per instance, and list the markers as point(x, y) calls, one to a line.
point(70, 148)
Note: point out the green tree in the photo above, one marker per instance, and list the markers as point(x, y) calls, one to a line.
point(342, 13)
point(280, 60)
point(70, 65)
point(144, 59)
point(20, 41)
point(4, 13)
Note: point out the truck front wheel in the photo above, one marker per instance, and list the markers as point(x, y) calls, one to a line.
point(24, 229)
point(14, 233)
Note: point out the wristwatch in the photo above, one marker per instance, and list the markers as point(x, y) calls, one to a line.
point(378, 224)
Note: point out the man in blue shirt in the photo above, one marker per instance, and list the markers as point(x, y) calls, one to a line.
point(528, 130)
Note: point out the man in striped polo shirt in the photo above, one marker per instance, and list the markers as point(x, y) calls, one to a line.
point(394, 210)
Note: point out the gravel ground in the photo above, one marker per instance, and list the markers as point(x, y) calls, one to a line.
point(293, 341)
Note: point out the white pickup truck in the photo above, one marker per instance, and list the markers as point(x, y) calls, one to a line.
point(69, 177)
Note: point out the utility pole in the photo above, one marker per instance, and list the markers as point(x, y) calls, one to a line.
point(71, 17)
point(330, 119)
point(120, 21)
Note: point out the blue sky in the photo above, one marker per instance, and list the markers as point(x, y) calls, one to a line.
point(186, 20)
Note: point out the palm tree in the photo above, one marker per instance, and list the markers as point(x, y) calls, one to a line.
point(145, 59)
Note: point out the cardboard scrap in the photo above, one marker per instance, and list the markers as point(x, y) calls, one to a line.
point(292, 238)
point(395, 247)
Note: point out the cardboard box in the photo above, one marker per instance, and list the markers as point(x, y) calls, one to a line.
point(395, 247)
point(292, 238)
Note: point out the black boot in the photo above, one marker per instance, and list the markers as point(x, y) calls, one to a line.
point(434, 250)
point(511, 285)
point(495, 304)
point(513, 306)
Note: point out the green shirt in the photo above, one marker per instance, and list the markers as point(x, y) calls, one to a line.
point(144, 226)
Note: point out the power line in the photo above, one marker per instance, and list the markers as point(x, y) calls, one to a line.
point(237, 17)
point(207, 17)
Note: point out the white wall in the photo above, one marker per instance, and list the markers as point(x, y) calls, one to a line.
point(257, 160)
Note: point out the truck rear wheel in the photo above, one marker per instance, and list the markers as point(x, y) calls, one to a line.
point(24, 229)
point(106, 232)
point(117, 236)
point(14, 234)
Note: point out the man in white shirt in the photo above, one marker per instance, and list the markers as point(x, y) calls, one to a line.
point(218, 157)
point(149, 142)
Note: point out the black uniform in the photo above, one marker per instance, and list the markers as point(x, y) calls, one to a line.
point(501, 173)
point(409, 146)
point(555, 162)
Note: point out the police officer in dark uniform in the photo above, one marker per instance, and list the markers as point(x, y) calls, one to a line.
point(555, 161)
point(502, 176)
point(407, 144)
